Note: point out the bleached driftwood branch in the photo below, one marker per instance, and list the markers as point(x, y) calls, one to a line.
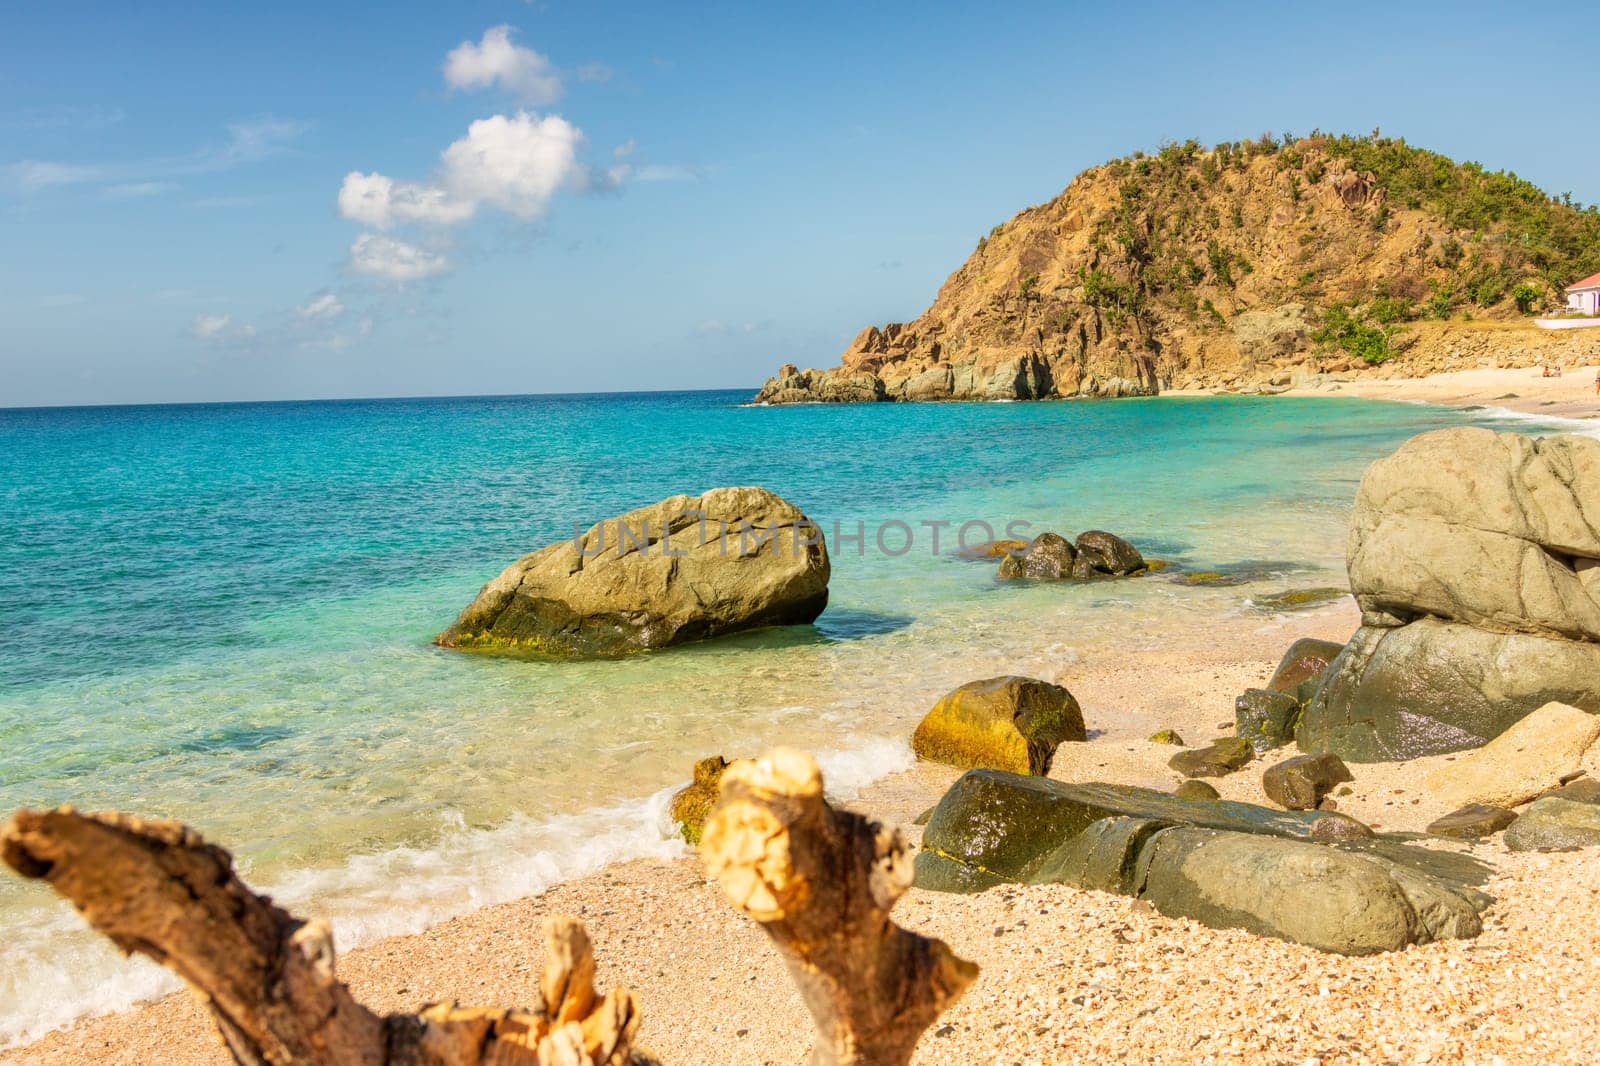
point(157, 888)
point(821, 882)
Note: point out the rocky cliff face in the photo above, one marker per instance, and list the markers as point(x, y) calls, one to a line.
point(1240, 265)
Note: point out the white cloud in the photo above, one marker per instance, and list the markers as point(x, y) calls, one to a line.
point(138, 190)
point(519, 71)
point(209, 327)
point(666, 172)
point(33, 174)
point(219, 329)
point(514, 163)
point(326, 306)
point(625, 149)
point(379, 201)
point(388, 257)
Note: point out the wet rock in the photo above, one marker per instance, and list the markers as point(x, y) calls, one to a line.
point(1431, 687)
point(1048, 557)
point(1472, 822)
point(690, 804)
point(1265, 719)
point(1306, 660)
point(1003, 723)
point(1218, 759)
point(1196, 789)
point(1166, 736)
point(1530, 758)
point(687, 568)
point(1106, 553)
point(1299, 784)
point(1552, 824)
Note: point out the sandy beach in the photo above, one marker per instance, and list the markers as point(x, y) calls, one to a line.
point(1523, 389)
point(1067, 975)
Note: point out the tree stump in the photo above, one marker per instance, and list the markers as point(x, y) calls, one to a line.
point(821, 882)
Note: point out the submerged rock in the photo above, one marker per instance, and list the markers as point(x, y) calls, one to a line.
point(1528, 759)
point(1300, 783)
point(1297, 599)
point(690, 804)
point(1553, 824)
point(684, 569)
point(1003, 723)
point(1218, 759)
point(1472, 822)
point(992, 549)
point(1051, 557)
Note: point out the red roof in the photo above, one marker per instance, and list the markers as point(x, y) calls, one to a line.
point(1590, 282)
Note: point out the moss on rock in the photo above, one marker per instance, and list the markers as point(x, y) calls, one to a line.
point(1001, 723)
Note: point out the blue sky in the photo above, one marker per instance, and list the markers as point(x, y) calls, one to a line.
point(564, 197)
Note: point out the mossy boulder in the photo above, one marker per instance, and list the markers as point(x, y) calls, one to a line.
point(1002, 723)
point(1265, 719)
point(1166, 736)
point(691, 804)
point(1048, 557)
point(684, 569)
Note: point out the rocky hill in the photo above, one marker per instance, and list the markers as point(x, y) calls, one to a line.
point(1247, 264)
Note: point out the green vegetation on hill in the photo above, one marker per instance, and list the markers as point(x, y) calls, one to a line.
point(1190, 225)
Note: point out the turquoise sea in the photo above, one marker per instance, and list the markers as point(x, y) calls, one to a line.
point(222, 613)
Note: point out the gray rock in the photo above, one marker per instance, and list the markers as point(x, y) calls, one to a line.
point(1553, 824)
point(1472, 822)
point(687, 568)
point(1299, 784)
point(1340, 828)
point(1196, 789)
point(1265, 718)
point(1049, 558)
point(1583, 790)
point(1218, 759)
point(1348, 903)
point(1106, 553)
point(1432, 687)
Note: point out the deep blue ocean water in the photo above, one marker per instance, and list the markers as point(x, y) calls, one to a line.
point(222, 613)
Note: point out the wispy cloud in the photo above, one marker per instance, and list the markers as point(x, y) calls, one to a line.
point(323, 307)
point(393, 259)
point(138, 190)
point(247, 142)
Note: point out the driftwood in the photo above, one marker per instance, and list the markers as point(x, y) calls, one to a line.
point(157, 888)
point(822, 882)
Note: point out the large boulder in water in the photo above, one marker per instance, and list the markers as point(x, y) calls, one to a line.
point(1475, 558)
point(687, 568)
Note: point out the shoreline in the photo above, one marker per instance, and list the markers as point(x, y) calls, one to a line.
point(662, 931)
point(1055, 961)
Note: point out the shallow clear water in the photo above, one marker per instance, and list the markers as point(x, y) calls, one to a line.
point(222, 614)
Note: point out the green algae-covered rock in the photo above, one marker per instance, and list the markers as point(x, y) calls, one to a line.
point(1166, 736)
point(690, 804)
point(1297, 599)
point(1553, 824)
point(1265, 718)
point(685, 569)
point(1196, 789)
point(1218, 759)
point(1004, 723)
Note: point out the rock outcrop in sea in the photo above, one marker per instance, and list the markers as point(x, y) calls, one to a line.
point(1250, 266)
point(1475, 558)
point(687, 568)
